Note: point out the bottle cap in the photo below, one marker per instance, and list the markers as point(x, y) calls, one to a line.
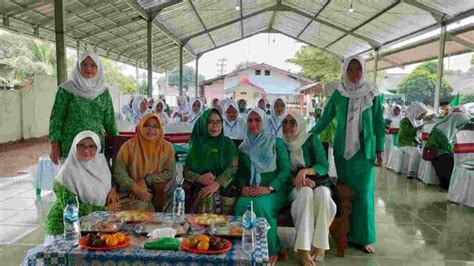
point(70, 202)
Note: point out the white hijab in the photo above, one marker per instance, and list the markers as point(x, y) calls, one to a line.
point(136, 108)
point(456, 118)
point(193, 116)
point(360, 97)
point(414, 111)
point(89, 180)
point(233, 129)
point(274, 123)
point(79, 85)
point(295, 145)
point(163, 116)
point(395, 118)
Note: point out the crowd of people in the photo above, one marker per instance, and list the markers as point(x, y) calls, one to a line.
point(268, 154)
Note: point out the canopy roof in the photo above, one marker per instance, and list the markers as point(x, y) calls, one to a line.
point(117, 29)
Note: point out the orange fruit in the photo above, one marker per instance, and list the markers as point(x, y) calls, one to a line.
point(111, 241)
point(203, 245)
point(203, 238)
point(192, 242)
point(120, 237)
point(104, 237)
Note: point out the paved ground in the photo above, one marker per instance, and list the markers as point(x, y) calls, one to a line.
point(415, 225)
point(18, 156)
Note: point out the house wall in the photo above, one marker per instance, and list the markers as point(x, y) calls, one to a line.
point(25, 113)
point(215, 90)
point(247, 93)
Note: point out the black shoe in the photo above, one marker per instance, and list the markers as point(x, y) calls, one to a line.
point(410, 177)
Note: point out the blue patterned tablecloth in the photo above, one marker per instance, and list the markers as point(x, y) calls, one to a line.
point(62, 252)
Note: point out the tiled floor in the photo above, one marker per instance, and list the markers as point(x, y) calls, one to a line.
point(415, 225)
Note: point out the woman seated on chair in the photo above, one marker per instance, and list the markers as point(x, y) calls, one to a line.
point(84, 178)
point(210, 166)
point(158, 108)
point(441, 139)
point(263, 175)
point(196, 108)
point(407, 135)
point(144, 168)
point(313, 209)
point(234, 124)
point(140, 109)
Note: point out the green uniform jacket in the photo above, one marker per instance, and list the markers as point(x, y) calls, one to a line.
point(73, 114)
point(406, 134)
point(372, 122)
point(315, 156)
point(278, 179)
point(54, 221)
point(439, 141)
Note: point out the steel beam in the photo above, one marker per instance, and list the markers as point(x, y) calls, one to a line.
point(376, 62)
point(196, 77)
point(26, 9)
point(149, 37)
point(439, 72)
point(181, 70)
point(234, 41)
point(315, 16)
point(393, 62)
point(202, 22)
point(463, 41)
point(437, 15)
point(61, 66)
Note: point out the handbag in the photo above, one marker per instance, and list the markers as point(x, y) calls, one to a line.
point(429, 153)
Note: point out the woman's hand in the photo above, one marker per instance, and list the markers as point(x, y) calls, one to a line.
point(308, 182)
point(112, 197)
point(141, 191)
point(258, 191)
point(208, 190)
point(185, 118)
point(206, 179)
point(113, 206)
point(55, 152)
point(299, 180)
point(246, 191)
point(379, 160)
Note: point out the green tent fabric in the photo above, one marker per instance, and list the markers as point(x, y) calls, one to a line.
point(456, 101)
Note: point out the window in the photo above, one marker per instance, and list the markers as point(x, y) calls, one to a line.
point(267, 72)
point(258, 72)
point(243, 93)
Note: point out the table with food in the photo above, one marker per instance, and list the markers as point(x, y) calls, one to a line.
point(145, 238)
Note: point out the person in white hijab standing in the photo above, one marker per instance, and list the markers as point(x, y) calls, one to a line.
point(358, 145)
point(234, 124)
point(140, 109)
point(158, 108)
point(84, 178)
point(393, 116)
point(82, 103)
point(312, 208)
point(275, 118)
point(181, 111)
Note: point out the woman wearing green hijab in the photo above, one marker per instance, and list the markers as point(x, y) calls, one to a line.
point(210, 166)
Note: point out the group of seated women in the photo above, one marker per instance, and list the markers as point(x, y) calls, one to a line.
point(223, 178)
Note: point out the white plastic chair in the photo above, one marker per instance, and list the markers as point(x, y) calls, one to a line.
point(461, 187)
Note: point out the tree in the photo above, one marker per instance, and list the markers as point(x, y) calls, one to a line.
point(113, 75)
point(243, 65)
point(420, 84)
point(188, 77)
point(467, 98)
point(143, 88)
point(317, 64)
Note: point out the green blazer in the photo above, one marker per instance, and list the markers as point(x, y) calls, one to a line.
point(315, 156)
point(372, 121)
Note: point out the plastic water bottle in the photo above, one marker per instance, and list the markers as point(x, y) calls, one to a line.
point(249, 230)
point(178, 204)
point(72, 231)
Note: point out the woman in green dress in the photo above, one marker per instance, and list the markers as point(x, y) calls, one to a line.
point(263, 176)
point(358, 142)
point(441, 139)
point(84, 178)
point(312, 208)
point(210, 166)
point(82, 103)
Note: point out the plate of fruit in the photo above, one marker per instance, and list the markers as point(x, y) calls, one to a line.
point(207, 219)
point(203, 244)
point(101, 241)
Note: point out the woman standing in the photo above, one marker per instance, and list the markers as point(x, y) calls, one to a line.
point(242, 107)
point(84, 178)
point(196, 108)
point(159, 109)
point(358, 141)
point(312, 207)
point(277, 115)
point(210, 166)
point(81, 103)
point(144, 166)
point(234, 124)
point(263, 176)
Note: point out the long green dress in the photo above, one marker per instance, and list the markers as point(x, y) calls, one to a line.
point(406, 134)
point(73, 114)
point(269, 205)
point(357, 172)
point(216, 155)
point(54, 221)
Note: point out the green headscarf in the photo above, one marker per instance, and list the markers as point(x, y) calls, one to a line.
point(207, 153)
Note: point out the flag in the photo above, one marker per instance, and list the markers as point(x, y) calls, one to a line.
point(456, 100)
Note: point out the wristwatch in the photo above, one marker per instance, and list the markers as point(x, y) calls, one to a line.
point(271, 189)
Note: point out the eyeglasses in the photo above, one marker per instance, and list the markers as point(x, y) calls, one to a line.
point(82, 147)
point(214, 123)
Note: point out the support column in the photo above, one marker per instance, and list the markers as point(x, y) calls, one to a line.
point(137, 77)
point(196, 82)
point(149, 29)
point(181, 70)
point(78, 48)
point(439, 73)
point(376, 64)
point(60, 44)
